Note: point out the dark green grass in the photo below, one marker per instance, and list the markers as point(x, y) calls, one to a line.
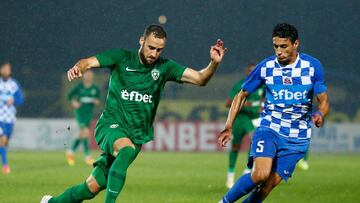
point(179, 178)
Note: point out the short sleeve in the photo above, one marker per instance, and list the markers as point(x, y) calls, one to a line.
point(73, 93)
point(319, 79)
point(253, 80)
point(111, 57)
point(174, 71)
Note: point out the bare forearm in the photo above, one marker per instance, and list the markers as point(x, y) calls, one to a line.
point(83, 65)
point(206, 73)
point(236, 106)
point(324, 106)
point(87, 63)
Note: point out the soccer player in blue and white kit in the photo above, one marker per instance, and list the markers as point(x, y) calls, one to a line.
point(291, 80)
point(10, 96)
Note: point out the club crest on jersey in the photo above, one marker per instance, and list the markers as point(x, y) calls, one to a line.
point(155, 73)
point(114, 125)
point(287, 81)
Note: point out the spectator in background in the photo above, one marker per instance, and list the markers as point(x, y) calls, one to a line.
point(10, 97)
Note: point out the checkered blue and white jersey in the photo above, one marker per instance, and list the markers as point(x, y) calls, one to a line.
point(289, 93)
point(9, 89)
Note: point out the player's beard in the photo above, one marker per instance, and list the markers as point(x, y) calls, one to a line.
point(143, 58)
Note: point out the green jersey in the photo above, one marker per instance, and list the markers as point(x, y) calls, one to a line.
point(134, 93)
point(85, 96)
point(254, 98)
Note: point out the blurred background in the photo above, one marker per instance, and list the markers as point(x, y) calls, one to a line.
point(43, 39)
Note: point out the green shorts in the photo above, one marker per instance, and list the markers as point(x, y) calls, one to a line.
point(106, 134)
point(242, 126)
point(83, 121)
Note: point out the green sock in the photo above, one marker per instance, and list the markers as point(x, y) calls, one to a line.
point(233, 154)
point(75, 194)
point(306, 157)
point(86, 146)
point(76, 144)
point(117, 173)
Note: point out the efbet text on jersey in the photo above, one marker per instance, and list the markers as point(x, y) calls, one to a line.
point(288, 95)
point(136, 96)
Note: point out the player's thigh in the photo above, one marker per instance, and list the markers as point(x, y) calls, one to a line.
point(262, 153)
point(263, 143)
point(4, 141)
point(6, 130)
point(85, 132)
point(261, 169)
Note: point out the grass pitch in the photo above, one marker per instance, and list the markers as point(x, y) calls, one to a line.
point(179, 178)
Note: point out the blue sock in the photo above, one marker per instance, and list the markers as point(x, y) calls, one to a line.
point(243, 186)
point(254, 197)
point(3, 156)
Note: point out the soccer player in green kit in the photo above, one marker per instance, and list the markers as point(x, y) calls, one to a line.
point(136, 83)
point(83, 97)
point(244, 124)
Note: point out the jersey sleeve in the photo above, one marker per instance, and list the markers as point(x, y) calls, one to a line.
point(319, 80)
point(73, 93)
point(235, 89)
point(174, 71)
point(111, 57)
point(253, 81)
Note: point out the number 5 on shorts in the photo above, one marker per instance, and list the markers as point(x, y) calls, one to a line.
point(260, 146)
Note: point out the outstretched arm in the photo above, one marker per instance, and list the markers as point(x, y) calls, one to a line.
point(236, 106)
point(81, 66)
point(323, 109)
point(203, 76)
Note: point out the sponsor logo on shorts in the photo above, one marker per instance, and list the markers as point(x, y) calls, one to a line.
point(114, 125)
point(136, 96)
point(286, 172)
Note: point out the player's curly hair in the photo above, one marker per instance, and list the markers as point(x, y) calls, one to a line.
point(157, 30)
point(285, 30)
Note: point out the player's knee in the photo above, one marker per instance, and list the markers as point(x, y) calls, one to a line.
point(85, 133)
point(121, 143)
point(260, 175)
point(4, 141)
point(93, 186)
